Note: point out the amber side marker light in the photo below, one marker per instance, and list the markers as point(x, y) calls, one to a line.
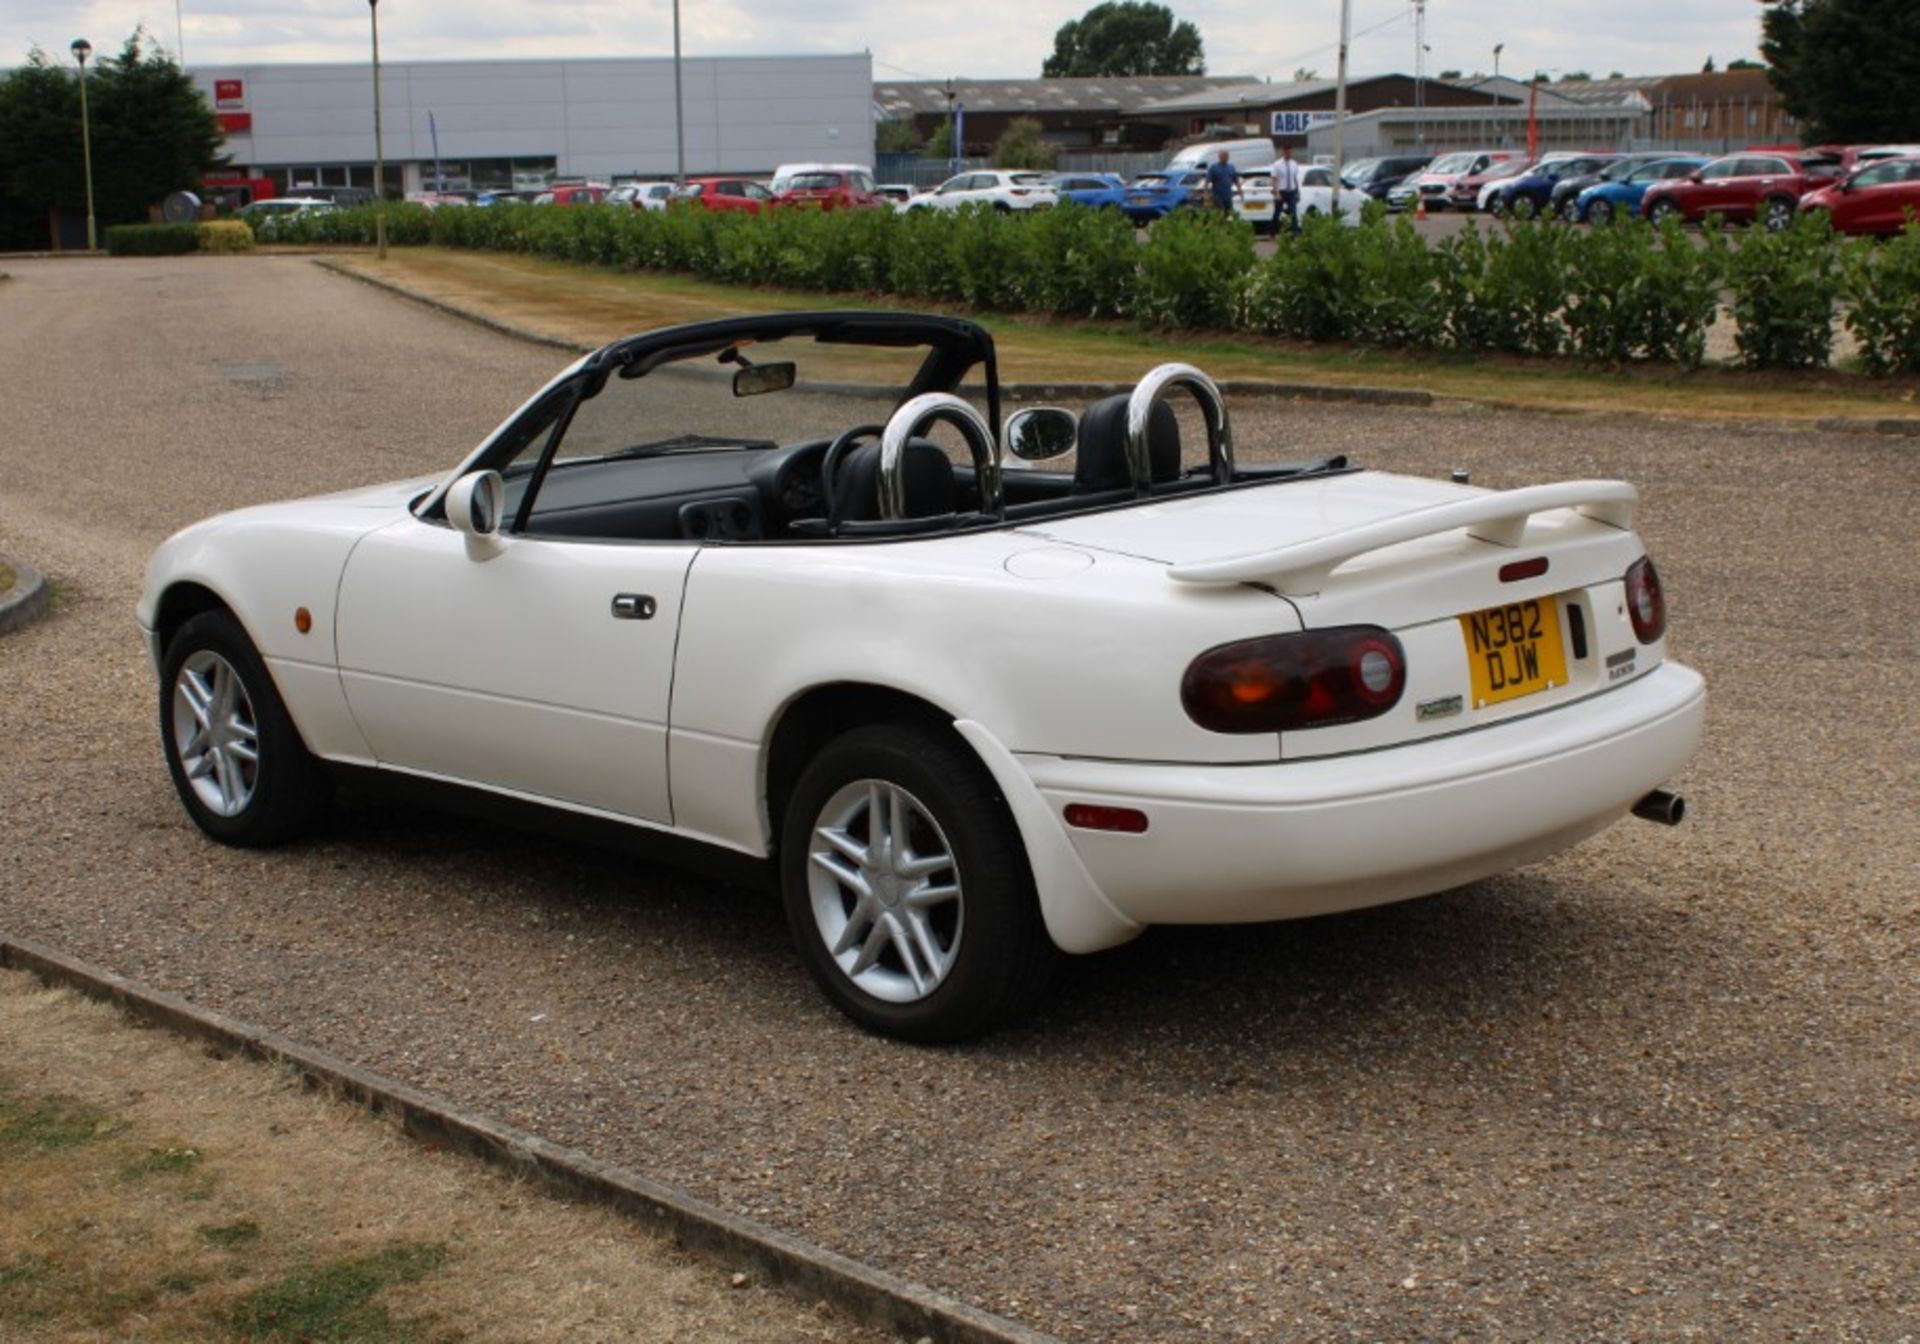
point(1089, 817)
point(302, 620)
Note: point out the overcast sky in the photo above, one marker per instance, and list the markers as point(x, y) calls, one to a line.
point(912, 38)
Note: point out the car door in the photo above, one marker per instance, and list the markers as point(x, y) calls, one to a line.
point(543, 670)
point(1717, 191)
point(1871, 203)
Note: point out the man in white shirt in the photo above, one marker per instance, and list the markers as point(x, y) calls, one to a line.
point(1286, 189)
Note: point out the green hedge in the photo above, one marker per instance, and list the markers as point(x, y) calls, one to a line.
point(151, 240)
point(1627, 292)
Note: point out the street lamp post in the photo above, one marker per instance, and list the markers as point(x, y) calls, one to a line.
point(1498, 47)
point(679, 105)
point(81, 50)
point(379, 142)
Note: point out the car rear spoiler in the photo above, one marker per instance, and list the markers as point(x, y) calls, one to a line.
point(1499, 517)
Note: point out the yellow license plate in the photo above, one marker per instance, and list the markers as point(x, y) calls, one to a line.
point(1514, 650)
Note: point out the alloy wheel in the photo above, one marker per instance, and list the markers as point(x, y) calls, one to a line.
point(215, 733)
point(885, 891)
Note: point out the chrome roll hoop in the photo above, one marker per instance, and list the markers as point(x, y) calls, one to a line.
point(910, 419)
point(1154, 388)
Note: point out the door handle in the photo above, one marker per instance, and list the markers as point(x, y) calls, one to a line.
point(633, 607)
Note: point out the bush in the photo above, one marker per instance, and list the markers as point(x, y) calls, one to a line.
point(1192, 267)
point(1786, 287)
point(223, 235)
point(1504, 291)
point(152, 240)
point(1078, 262)
point(1377, 284)
point(1635, 291)
point(1882, 287)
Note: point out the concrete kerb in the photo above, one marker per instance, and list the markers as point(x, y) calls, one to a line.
point(872, 1295)
point(26, 599)
point(1039, 391)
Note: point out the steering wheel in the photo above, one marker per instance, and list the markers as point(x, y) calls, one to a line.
point(836, 453)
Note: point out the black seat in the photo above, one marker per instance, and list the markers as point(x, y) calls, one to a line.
point(1100, 455)
point(929, 480)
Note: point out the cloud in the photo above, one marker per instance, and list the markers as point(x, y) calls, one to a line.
point(931, 38)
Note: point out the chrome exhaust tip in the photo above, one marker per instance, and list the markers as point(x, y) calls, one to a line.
point(1669, 809)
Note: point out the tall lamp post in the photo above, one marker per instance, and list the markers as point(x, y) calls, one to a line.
point(81, 50)
point(679, 106)
point(1498, 47)
point(379, 143)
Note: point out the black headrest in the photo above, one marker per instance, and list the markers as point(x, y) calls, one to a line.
point(1100, 457)
point(929, 480)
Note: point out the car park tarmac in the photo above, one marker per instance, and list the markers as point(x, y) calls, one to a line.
point(1664, 1085)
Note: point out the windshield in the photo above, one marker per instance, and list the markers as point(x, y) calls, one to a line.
point(1452, 163)
point(810, 182)
point(1030, 179)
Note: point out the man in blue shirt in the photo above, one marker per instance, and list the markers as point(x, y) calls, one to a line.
point(1223, 183)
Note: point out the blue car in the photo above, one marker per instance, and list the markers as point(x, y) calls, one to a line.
point(1096, 191)
point(1600, 204)
point(1151, 196)
point(1528, 194)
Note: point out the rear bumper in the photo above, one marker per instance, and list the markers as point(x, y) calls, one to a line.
point(1240, 844)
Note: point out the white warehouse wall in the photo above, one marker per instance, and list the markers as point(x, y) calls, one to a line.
point(597, 118)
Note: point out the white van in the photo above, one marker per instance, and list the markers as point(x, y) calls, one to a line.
point(1249, 156)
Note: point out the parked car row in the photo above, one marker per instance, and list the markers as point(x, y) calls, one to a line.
point(1872, 189)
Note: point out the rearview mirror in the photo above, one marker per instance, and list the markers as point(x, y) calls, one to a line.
point(474, 506)
point(759, 378)
point(1694, 176)
point(1040, 433)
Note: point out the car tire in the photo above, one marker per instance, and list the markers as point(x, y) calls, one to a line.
point(1776, 213)
point(1522, 207)
point(1662, 210)
point(1496, 207)
point(1599, 212)
point(937, 948)
point(1002, 208)
point(237, 761)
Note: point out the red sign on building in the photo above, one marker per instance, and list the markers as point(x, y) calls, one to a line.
point(232, 122)
point(229, 93)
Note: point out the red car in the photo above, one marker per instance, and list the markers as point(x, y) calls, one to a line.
point(1880, 198)
point(1764, 186)
point(587, 194)
point(826, 189)
point(725, 193)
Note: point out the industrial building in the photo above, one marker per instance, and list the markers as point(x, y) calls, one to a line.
point(519, 124)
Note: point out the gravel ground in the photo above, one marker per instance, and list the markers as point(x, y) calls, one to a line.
point(1664, 1086)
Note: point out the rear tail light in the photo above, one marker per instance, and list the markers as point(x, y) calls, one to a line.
point(1278, 683)
point(1019, 191)
point(1646, 603)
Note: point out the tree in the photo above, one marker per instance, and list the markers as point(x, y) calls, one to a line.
point(1709, 67)
point(940, 144)
point(1744, 64)
point(1022, 146)
point(1578, 75)
point(1125, 37)
point(1450, 74)
point(896, 137)
point(153, 134)
point(1846, 68)
point(1304, 74)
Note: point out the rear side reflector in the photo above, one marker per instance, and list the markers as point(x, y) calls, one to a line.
point(1523, 569)
point(1313, 679)
point(1090, 817)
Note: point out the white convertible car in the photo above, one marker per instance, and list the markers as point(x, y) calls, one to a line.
point(714, 588)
